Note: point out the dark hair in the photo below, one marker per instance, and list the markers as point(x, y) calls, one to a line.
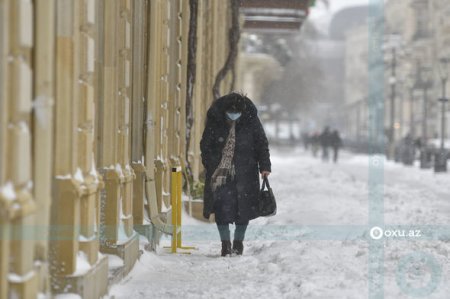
point(236, 102)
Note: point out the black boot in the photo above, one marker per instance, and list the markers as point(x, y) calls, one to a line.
point(238, 247)
point(226, 248)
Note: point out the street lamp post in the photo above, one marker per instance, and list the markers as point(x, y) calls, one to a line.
point(405, 151)
point(440, 159)
point(425, 83)
point(393, 46)
point(392, 83)
point(409, 151)
point(410, 86)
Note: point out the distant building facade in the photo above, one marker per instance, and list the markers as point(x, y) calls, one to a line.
point(416, 37)
point(356, 87)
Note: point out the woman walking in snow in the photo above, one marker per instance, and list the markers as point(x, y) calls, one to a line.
point(234, 148)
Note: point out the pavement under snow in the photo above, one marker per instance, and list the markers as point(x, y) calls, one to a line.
point(317, 246)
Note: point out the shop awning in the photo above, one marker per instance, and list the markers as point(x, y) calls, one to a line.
point(284, 16)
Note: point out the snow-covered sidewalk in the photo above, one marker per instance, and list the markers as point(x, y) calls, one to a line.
point(317, 244)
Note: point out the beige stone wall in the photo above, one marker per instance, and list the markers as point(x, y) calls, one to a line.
point(19, 276)
point(4, 205)
point(92, 119)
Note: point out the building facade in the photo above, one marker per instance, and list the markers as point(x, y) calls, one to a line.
point(356, 87)
point(92, 120)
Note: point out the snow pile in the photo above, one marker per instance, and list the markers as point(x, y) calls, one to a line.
point(83, 265)
point(8, 192)
point(79, 175)
point(114, 261)
point(68, 296)
point(118, 169)
point(93, 171)
point(15, 278)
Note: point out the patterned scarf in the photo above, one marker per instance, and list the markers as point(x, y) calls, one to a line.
point(226, 166)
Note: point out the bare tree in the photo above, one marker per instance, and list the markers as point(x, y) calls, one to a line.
point(191, 76)
point(233, 42)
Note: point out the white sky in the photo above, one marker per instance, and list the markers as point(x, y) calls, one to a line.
point(321, 16)
point(319, 10)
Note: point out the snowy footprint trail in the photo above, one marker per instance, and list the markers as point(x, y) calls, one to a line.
point(284, 257)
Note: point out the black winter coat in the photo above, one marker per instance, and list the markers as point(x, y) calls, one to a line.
point(251, 153)
point(325, 138)
point(335, 140)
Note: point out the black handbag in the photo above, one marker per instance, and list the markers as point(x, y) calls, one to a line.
point(267, 203)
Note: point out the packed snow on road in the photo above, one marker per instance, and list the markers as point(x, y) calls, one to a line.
point(317, 246)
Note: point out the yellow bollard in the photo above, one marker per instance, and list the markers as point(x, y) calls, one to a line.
point(180, 207)
point(173, 201)
point(177, 206)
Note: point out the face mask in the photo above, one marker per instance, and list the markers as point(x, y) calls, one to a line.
point(233, 115)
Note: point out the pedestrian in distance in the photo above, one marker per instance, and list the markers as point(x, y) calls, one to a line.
point(315, 143)
point(408, 150)
point(305, 140)
point(325, 143)
point(336, 143)
point(234, 148)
